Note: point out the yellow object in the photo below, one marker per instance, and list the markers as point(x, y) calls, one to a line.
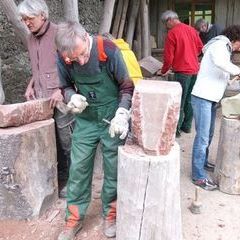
point(130, 59)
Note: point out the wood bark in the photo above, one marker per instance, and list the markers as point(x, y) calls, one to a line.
point(132, 21)
point(117, 18)
point(144, 12)
point(148, 204)
point(107, 16)
point(227, 170)
point(123, 19)
point(70, 8)
point(10, 9)
point(2, 95)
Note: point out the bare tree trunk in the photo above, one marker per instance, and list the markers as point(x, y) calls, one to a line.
point(132, 21)
point(117, 18)
point(123, 18)
point(2, 95)
point(10, 9)
point(70, 9)
point(107, 16)
point(144, 12)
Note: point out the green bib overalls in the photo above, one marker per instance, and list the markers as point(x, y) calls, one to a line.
point(102, 93)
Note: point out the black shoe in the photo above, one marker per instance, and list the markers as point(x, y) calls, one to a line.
point(186, 130)
point(206, 184)
point(209, 167)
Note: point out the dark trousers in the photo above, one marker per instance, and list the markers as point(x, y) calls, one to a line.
point(186, 113)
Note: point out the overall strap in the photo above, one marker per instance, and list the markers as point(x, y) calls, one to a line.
point(102, 56)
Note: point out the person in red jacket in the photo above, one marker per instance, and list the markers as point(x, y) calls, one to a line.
point(182, 48)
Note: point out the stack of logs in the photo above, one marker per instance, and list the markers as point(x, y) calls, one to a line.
point(128, 19)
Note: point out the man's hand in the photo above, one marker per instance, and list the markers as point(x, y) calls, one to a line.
point(119, 124)
point(236, 78)
point(78, 103)
point(159, 73)
point(30, 94)
point(55, 98)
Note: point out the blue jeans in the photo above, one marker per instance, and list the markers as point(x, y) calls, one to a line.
point(204, 114)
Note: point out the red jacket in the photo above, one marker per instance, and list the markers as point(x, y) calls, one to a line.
point(181, 50)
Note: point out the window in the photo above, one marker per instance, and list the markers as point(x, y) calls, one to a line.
point(189, 11)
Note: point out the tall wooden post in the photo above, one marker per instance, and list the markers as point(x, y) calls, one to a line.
point(227, 170)
point(148, 206)
point(144, 12)
point(107, 16)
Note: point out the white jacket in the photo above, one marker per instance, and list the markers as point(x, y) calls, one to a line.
point(215, 69)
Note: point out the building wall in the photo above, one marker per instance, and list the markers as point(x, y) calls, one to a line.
point(227, 12)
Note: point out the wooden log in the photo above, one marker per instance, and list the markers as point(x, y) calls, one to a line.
point(123, 19)
point(227, 170)
point(132, 21)
point(107, 16)
point(138, 42)
point(117, 18)
point(148, 195)
point(161, 29)
point(144, 12)
point(28, 170)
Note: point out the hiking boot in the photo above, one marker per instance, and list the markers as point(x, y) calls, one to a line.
point(109, 228)
point(186, 130)
point(69, 233)
point(209, 167)
point(206, 184)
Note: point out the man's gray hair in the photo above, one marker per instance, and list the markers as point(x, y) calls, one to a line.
point(199, 23)
point(31, 8)
point(67, 34)
point(169, 14)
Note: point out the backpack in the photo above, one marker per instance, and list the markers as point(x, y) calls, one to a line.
point(129, 58)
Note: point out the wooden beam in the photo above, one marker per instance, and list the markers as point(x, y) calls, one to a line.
point(123, 19)
point(117, 18)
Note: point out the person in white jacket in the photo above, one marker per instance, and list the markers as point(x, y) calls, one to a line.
point(215, 70)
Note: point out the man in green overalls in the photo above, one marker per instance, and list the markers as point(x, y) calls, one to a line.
point(95, 80)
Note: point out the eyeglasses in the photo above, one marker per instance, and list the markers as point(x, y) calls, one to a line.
point(79, 55)
point(165, 21)
point(28, 19)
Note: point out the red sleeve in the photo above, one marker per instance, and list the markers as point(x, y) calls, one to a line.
point(168, 55)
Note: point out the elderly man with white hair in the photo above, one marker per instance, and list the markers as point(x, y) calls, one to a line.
point(45, 82)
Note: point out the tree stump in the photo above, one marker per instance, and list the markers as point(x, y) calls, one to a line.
point(28, 169)
point(148, 195)
point(227, 170)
